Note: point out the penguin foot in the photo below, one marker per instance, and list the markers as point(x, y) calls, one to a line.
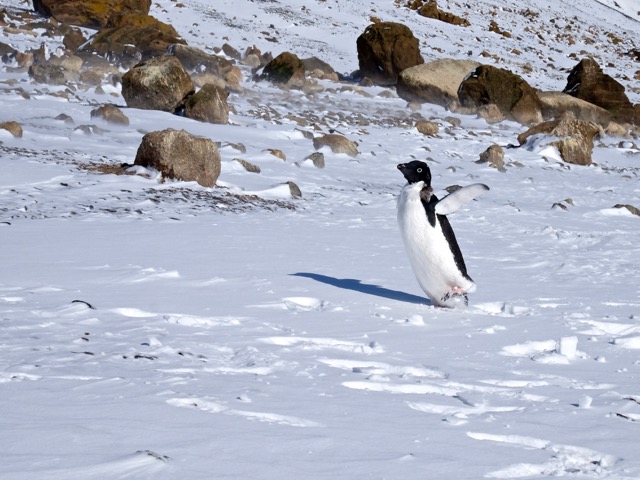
point(455, 297)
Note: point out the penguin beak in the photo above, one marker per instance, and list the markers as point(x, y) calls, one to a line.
point(402, 166)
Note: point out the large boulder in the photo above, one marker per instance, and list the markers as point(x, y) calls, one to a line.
point(555, 104)
point(134, 37)
point(179, 155)
point(574, 138)
point(285, 69)
point(90, 13)
point(157, 84)
point(515, 98)
point(588, 82)
point(434, 82)
point(209, 104)
point(385, 49)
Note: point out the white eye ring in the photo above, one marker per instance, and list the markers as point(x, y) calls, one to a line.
point(419, 170)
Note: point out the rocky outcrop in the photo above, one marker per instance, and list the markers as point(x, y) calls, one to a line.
point(555, 104)
point(92, 14)
point(179, 155)
point(209, 104)
point(385, 49)
point(588, 82)
point(286, 69)
point(515, 98)
point(157, 84)
point(575, 138)
point(434, 82)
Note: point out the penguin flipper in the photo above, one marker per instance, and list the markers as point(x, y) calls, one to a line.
point(457, 199)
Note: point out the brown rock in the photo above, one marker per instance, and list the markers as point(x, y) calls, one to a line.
point(87, 13)
point(285, 69)
point(134, 37)
point(337, 143)
point(588, 82)
point(157, 84)
point(494, 156)
point(428, 128)
point(385, 49)
point(180, 155)
point(575, 138)
point(430, 9)
point(209, 104)
point(14, 128)
point(195, 60)
point(111, 114)
point(515, 98)
point(73, 39)
point(556, 104)
point(434, 82)
point(631, 208)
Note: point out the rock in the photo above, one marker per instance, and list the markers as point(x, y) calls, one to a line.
point(294, 189)
point(515, 98)
point(317, 158)
point(434, 82)
point(277, 153)
point(231, 52)
point(494, 156)
point(490, 113)
point(385, 49)
point(93, 14)
point(209, 104)
point(285, 69)
point(430, 9)
point(178, 154)
point(131, 38)
point(337, 143)
point(428, 128)
point(631, 208)
point(73, 39)
point(51, 74)
point(587, 82)
point(555, 104)
point(195, 60)
point(157, 84)
point(14, 128)
point(111, 114)
point(248, 166)
point(575, 138)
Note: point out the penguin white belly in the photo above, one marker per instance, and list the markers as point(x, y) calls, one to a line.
point(431, 257)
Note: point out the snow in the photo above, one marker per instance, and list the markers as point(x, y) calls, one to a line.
point(166, 330)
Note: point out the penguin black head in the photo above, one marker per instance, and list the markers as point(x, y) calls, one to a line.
point(416, 171)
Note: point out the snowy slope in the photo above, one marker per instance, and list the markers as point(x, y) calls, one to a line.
point(165, 330)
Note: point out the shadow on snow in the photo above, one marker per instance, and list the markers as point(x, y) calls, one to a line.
point(358, 286)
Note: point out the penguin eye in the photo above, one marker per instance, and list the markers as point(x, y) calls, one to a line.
point(419, 170)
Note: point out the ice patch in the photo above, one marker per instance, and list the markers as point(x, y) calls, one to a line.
point(412, 389)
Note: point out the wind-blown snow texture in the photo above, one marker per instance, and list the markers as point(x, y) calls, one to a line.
point(165, 330)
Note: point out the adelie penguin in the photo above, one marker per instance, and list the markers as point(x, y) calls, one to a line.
point(434, 253)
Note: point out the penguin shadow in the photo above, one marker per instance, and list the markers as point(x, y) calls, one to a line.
point(366, 288)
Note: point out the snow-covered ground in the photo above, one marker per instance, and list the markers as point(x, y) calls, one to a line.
point(166, 330)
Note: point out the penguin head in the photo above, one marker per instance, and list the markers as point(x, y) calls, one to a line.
point(416, 171)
